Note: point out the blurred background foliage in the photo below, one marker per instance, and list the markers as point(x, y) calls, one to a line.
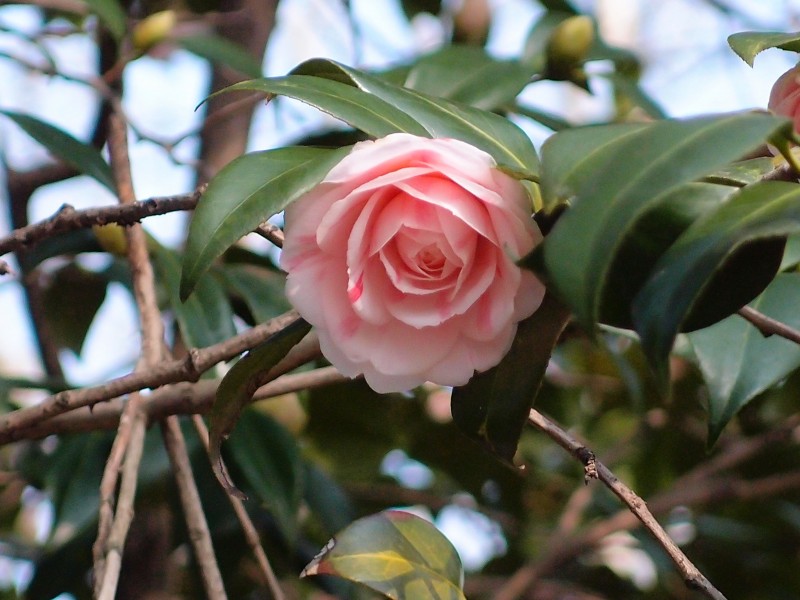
point(313, 462)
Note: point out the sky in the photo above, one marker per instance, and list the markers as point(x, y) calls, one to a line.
point(689, 70)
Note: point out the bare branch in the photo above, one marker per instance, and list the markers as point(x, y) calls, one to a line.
point(199, 534)
point(69, 219)
point(189, 368)
point(769, 326)
point(595, 469)
point(111, 535)
point(180, 399)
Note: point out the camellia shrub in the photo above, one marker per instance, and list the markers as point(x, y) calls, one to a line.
point(628, 293)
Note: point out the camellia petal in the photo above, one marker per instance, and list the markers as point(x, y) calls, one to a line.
point(403, 258)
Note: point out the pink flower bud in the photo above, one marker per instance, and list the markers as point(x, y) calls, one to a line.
point(785, 96)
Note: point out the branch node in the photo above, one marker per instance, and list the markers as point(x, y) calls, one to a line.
point(589, 461)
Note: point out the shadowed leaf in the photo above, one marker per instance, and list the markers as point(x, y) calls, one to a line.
point(222, 51)
point(763, 212)
point(269, 461)
point(493, 407)
point(613, 189)
point(738, 362)
point(237, 389)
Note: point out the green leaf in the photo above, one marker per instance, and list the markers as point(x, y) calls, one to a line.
point(395, 553)
point(613, 191)
point(442, 74)
point(738, 362)
point(570, 158)
point(83, 157)
point(493, 407)
point(261, 290)
point(245, 193)
point(492, 133)
point(111, 14)
point(647, 239)
point(748, 44)
point(363, 111)
point(743, 172)
point(269, 460)
point(206, 317)
point(222, 51)
point(71, 299)
point(695, 265)
point(238, 386)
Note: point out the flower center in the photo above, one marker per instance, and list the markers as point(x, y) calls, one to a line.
point(430, 260)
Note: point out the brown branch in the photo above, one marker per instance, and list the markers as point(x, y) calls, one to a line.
point(595, 469)
point(180, 399)
point(107, 570)
point(69, 219)
point(249, 530)
point(271, 233)
point(196, 524)
point(769, 326)
point(189, 368)
point(113, 526)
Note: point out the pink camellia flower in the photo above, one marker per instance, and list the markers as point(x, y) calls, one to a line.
point(785, 96)
point(403, 259)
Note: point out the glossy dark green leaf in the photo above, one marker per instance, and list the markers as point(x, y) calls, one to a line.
point(442, 74)
point(71, 300)
point(272, 469)
point(570, 158)
point(647, 239)
point(206, 317)
point(111, 14)
point(238, 386)
point(612, 191)
point(362, 110)
point(395, 553)
point(738, 362)
point(83, 157)
point(748, 44)
point(245, 193)
point(763, 212)
point(222, 51)
point(490, 132)
point(493, 407)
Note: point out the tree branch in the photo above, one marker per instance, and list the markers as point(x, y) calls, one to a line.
point(596, 470)
point(249, 530)
point(189, 368)
point(111, 535)
point(69, 219)
point(769, 326)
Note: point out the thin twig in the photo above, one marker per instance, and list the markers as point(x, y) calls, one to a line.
point(769, 326)
point(595, 469)
point(199, 534)
point(249, 530)
point(189, 368)
point(118, 531)
point(69, 219)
